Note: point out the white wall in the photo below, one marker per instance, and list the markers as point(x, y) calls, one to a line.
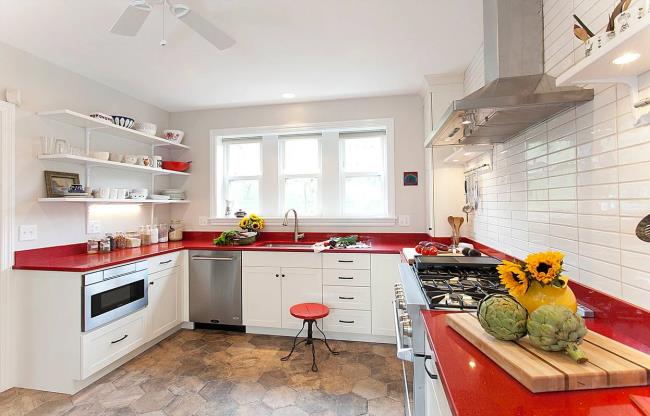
point(406, 110)
point(46, 86)
point(578, 183)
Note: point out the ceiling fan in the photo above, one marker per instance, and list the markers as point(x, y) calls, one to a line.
point(132, 19)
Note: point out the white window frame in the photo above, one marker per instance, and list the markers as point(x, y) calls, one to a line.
point(330, 170)
point(227, 179)
point(282, 176)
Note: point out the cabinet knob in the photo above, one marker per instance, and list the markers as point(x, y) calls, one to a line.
point(151, 283)
point(283, 275)
point(277, 275)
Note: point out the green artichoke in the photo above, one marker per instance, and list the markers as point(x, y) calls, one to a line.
point(556, 328)
point(502, 317)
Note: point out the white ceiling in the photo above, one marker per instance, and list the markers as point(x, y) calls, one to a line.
point(316, 49)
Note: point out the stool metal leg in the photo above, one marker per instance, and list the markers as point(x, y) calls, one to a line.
point(314, 368)
point(294, 342)
point(325, 340)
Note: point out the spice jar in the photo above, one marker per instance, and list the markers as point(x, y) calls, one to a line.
point(163, 233)
point(92, 247)
point(176, 230)
point(154, 234)
point(104, 245)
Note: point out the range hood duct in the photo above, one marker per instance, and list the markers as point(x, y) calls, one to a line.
point(517, 94)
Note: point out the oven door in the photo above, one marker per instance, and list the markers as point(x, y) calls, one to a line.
point(108, 300)
point(406, 355)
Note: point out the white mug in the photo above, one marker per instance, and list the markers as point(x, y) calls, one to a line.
point(104, 193)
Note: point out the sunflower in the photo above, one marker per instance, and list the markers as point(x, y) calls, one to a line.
point(255, 226)
point(513, 278)
point(243, 223)
point(545, 267)
point(254, 217)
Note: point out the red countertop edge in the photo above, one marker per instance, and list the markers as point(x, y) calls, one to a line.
point(475, 385)
point(73, 257)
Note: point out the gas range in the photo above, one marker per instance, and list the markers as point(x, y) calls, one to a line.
point(457, 283)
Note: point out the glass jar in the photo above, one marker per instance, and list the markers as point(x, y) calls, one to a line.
point(104, 245)
point(176, 230)
point(163, 233)
point(111, 240)
point(145, 235)
point(92, 247)
point(154, 234)
point(120, 240)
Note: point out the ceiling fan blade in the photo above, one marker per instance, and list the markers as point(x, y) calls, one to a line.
point(132, 19)
point(203, 27)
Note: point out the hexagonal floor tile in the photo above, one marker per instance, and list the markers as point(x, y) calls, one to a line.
point(280, 397)
point(244, 393)
point(369, 388)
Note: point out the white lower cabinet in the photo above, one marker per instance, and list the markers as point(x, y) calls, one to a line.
point(299, 285)
point(164, 310)
point(384, 273)
point(435, 399)
point(348, 321)
point(103, 346)
point(262, 296)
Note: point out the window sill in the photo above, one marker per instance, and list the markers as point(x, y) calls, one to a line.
point(310, 221)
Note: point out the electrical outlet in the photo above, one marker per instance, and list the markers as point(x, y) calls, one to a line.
point(203, 220)
point(404, 220)
point(94, 227)
point(28, 232)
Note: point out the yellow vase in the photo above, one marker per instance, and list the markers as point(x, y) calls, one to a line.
point(538, 295)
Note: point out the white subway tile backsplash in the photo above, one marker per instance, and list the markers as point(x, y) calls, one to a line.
point(579, 182)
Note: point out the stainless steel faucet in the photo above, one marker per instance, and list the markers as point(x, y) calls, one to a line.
point(296, 235)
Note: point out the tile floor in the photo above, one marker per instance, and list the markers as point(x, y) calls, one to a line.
point(218, 373)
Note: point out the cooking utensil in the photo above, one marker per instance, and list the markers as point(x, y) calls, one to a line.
point(467, 208)
point(456, 223)
point(580, 33)
point(584, 26)
point(617, 10)
point(643, 229)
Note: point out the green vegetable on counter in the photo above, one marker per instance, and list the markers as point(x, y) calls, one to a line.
point(226, 238)
point(343, 242)
point(502, 317)
point(556, 328)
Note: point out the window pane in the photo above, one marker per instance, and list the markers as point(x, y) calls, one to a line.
point(301, 156)
point(364, 196)
point(363, 155)
point(244, 159)
point(301, 194)
point(245, 194)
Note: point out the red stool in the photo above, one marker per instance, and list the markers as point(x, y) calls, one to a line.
point(309, 313)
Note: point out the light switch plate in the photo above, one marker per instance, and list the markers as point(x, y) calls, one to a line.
point(203, 220)
point(403, 220)
point(28, 232)
point(94, 227)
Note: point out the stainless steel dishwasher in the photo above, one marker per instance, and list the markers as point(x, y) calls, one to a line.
point(215, 287)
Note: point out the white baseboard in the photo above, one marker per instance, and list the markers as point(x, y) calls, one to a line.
point(340, 336)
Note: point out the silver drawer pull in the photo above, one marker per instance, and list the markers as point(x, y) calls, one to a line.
point(118, 340)
point(345, 278)
point(346, 298)
point(165, 262)
point(346, 261)
point(346, 322)
point(212, 258)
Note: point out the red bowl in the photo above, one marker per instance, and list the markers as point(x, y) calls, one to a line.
point(177, 166)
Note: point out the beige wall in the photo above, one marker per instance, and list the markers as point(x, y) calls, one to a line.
point(44, 87)
point(578, 183)
point(406, 111)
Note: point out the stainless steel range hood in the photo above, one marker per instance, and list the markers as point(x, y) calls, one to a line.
point(517, 94)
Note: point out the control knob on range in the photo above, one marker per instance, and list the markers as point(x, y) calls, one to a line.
point(407, 326)
point(401, 301)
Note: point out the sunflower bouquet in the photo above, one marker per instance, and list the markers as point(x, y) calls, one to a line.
point(538, 269)
point(252, 222)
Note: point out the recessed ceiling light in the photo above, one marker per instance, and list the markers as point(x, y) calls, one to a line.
point(288, 95)
point(468, 154)
point(626, 58)
point(455, 160)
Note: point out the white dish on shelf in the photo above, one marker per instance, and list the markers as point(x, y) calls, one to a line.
point(145, 127)
point(100, 155)
point(157, 197)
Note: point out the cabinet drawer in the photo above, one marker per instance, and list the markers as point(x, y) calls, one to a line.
point(346, 261)
point(346, 277)
point(345, 320)
point(281, 259)
point(165, 261)
point(347, 297)
point(105, 345)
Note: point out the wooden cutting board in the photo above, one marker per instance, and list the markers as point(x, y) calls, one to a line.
point(611, 364)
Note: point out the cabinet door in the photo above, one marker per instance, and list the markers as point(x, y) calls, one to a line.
point(164, 301)
point(299, 286)
point(384, 274)
point(262, 296)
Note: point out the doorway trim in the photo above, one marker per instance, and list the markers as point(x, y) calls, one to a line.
point(7, 230)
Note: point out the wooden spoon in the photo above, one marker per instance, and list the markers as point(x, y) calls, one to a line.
point(580, 33)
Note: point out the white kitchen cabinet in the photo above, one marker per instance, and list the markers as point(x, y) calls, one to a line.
point(435, 399)
point(384, 274)
point(299, 285)
point(164, 310)
point(262, 296)
point(347, 297)
point(348, 321)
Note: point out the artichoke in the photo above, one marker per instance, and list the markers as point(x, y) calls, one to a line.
point(502, 317)
point(556, 328)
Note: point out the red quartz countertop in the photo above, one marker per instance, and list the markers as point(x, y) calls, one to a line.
point(73, 257)
point(475, 385)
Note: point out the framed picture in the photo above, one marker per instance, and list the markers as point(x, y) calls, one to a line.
point(410, 179)
point(58, 182)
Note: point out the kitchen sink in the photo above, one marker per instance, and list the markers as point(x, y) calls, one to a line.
point(288, 245)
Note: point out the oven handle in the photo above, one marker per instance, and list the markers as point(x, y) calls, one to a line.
point(212, 258)
point(407, 400)
point(431, 376)
point(405, 354)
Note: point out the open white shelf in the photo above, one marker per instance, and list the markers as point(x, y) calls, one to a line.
point(89, 162)
point(113, 201)
point(81, 120)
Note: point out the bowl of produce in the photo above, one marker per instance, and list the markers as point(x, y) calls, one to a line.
point(174, 136)
point(430, 248)
point(175, 165)
point(123, 121)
